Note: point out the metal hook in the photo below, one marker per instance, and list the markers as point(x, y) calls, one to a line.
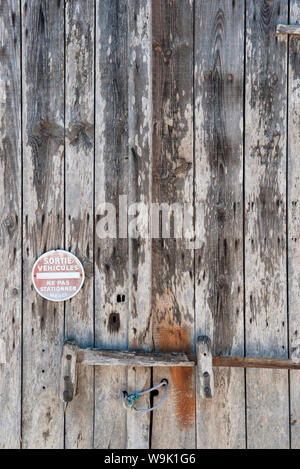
point(128, 400)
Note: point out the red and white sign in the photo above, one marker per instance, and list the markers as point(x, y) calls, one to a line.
point(57, 275)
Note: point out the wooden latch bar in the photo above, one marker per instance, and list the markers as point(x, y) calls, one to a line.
point(119, 358)
point(288, 29)
point(205, 362)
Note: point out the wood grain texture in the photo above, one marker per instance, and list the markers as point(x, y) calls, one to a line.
point(294, 219)
point(173, 262)
point(11, 222)
point(111, 181)
point(219, 60)
point(79, 147)
point(161, 83)
point(139, 191)
point(43, 205)
point(265, 222)
point(125, 358)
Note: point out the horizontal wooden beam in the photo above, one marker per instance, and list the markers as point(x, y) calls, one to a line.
point(288, 29)
point(119, 358)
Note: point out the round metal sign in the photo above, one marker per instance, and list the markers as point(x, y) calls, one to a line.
point(57, 275)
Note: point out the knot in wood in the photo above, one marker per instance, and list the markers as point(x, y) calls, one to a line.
point(221, 210)
point(222, 281)
point(9, 224)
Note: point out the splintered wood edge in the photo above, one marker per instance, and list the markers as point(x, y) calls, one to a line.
point(205, 367)
point(288, 29)
point(68, 376)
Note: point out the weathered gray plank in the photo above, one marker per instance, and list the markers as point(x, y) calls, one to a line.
point(79, 122)
point(219, 59)
point(173, 263)
point(10, 228)
point(111, 180)
point(124, 358)
point(294, 219)
point(139, 191)
point(43, 205)
point(265, 227)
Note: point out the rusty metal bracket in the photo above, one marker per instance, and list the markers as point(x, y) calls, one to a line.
point(72, 355)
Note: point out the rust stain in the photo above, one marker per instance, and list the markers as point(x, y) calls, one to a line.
point(171, 336)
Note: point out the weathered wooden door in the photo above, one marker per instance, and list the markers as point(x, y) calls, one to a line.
point(190, 102)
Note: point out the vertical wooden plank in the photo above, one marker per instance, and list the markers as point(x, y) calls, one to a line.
point(265, 222)
point(219, 61)
point(10, 234)
point(140, 174)
point(294, 218)
point(79, 121)
point(173, 262)
point(43, 143)
point(111, 181)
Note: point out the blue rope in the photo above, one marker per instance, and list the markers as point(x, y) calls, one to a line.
point(128, 400)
